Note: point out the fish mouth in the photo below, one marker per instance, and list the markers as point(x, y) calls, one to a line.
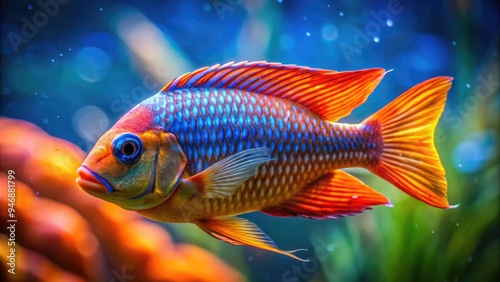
point(92, 181)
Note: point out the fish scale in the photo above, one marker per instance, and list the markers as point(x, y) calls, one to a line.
point(211, 124)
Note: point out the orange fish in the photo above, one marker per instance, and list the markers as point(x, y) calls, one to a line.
point(232, 139)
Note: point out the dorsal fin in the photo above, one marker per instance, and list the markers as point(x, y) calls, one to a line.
point(330, 94)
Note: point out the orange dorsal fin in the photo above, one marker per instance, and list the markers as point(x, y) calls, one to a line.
point(239, 231)
point(330, 94)
point(333, 195)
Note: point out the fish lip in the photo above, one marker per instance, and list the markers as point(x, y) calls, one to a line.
point(92, 180)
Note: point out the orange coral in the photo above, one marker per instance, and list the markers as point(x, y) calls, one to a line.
point(64, 234)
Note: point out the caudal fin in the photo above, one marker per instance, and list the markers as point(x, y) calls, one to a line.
point(408, 157)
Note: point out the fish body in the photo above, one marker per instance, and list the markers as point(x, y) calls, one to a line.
point(211, 125)
point(237, 138)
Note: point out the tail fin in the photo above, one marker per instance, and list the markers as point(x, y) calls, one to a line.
point(408, 157)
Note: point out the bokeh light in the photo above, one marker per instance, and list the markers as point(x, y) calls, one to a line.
point(475, 151)
point(329, 32)
point(92, 64)
point(90, 123)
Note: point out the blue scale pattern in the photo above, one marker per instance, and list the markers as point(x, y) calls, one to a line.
point(211, 124)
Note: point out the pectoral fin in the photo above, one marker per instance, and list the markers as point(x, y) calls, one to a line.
point(225, 176)
point(239, 231)
point(333, 195)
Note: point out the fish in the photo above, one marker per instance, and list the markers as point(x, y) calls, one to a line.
point(241, 137)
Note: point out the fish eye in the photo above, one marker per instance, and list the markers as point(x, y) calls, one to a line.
point(127, 148)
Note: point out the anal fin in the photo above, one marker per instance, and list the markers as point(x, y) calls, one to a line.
point(239, 231)
point(333, 195)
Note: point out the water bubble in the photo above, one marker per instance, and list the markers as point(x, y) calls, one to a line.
point(389, 22)
point(45, 121)
point(280, 1)
point(308, 33)
point(341, 14)
point(53, 60)
point(69, 49)
point(328, 5)
point(60, 54)
point(304, 18)
point(30, 7)
point(100, 9)
point(329, 32)
point(458, 224)
point(207, 7)
point(454, 43)
point(376, 39)
point(459, 165)
point(468, 85)
point(416, 225)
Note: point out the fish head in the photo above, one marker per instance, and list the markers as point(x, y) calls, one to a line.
point(133, 167)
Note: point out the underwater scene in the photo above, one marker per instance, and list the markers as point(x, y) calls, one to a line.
point(241, 140)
